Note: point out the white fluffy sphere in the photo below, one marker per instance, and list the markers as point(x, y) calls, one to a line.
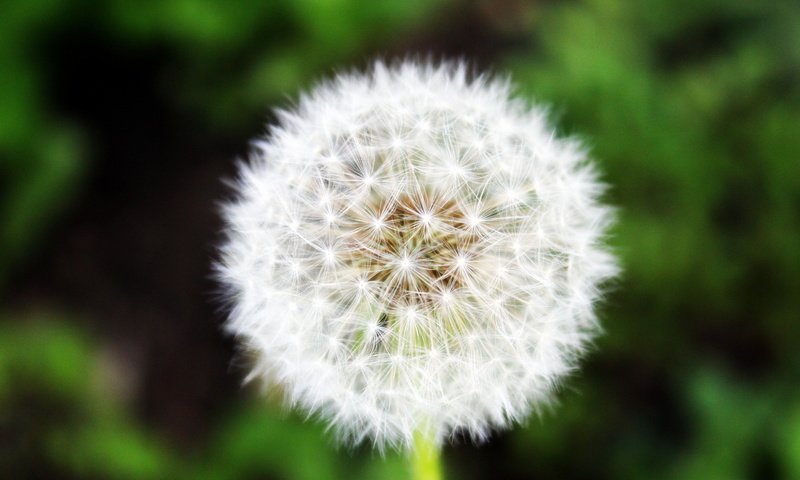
point(411, 250)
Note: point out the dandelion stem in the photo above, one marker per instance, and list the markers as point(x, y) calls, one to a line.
point(426, 459)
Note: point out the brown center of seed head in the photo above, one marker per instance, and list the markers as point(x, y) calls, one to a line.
point(416, 245)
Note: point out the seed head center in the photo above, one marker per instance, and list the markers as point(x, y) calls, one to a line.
point(415, 245)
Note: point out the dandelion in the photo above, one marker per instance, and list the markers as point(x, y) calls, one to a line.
point(413, 254)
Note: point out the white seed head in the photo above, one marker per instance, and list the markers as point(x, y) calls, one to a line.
point(412, 249)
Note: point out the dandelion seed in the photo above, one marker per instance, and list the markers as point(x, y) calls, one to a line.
point(411, 250)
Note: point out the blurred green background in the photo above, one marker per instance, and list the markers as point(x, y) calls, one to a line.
point(118, 120)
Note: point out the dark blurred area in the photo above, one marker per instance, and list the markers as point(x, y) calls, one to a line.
point(120, 120)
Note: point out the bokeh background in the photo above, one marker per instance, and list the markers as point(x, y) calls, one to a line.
point(120, 119)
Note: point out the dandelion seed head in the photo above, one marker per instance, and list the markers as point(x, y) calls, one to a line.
point(411, 249)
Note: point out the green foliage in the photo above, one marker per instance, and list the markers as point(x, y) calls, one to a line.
point(55, 404)
point(39, 156)
point(257, 440)
point(286, 43)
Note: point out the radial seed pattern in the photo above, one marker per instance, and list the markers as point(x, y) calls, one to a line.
point(414, 250)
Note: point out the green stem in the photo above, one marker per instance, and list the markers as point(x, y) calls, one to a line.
point(426, 459)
